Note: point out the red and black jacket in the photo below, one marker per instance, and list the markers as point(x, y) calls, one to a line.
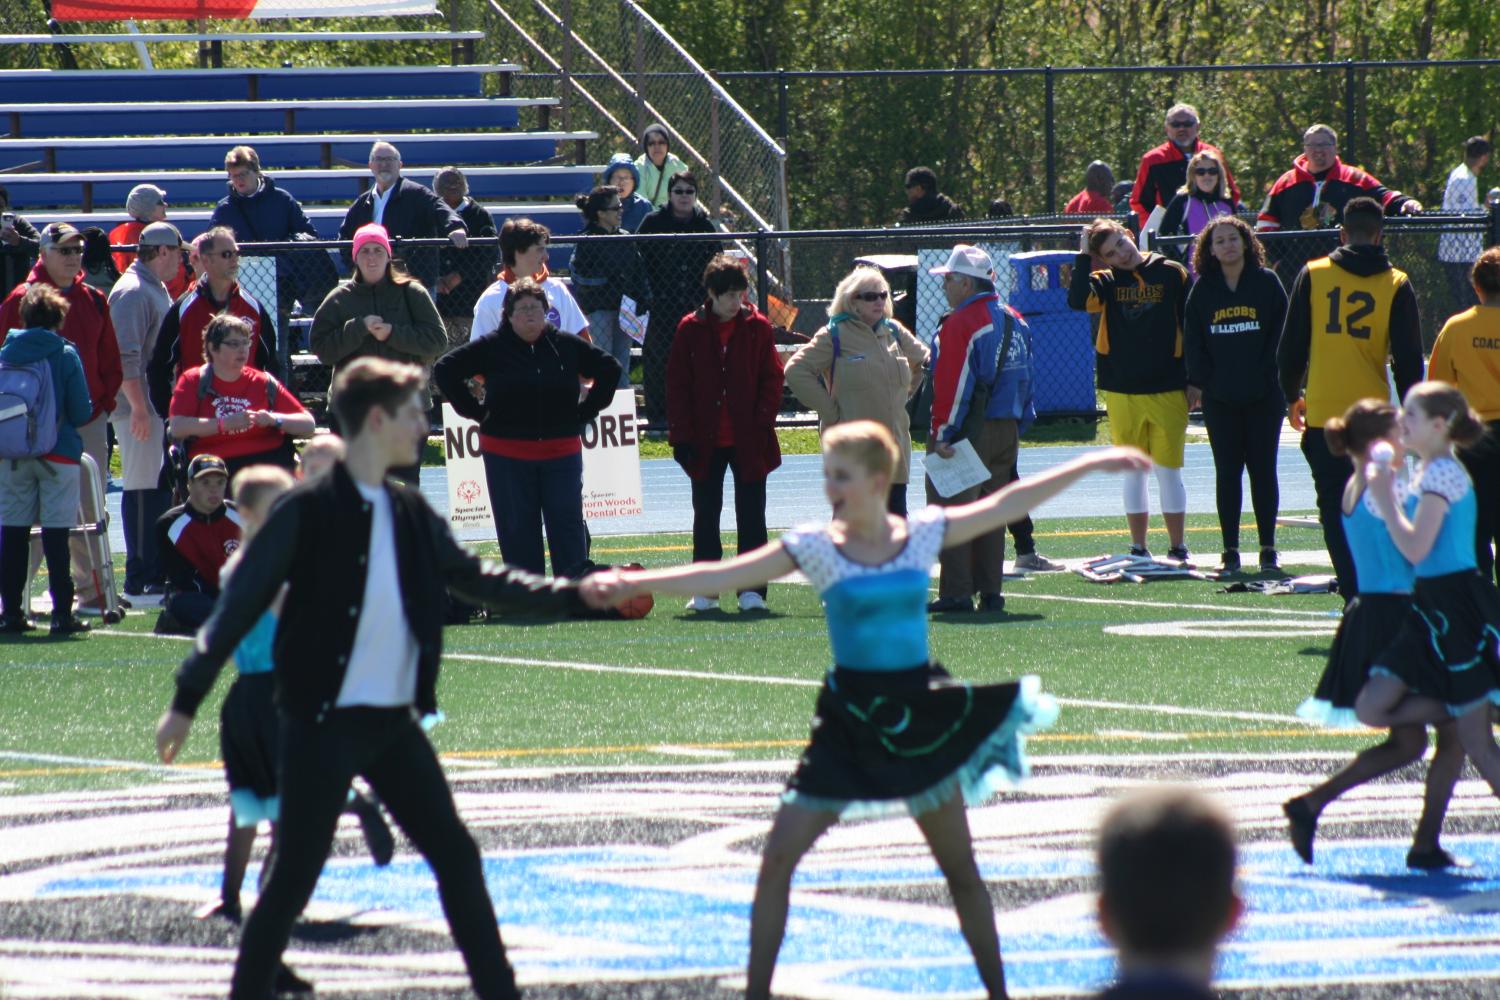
point(194, 546)
point(1163, 170)
point(1295, 192)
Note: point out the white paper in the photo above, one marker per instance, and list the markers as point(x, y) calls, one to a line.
point(1151, 225)
point(951, 476)
point(631, 325)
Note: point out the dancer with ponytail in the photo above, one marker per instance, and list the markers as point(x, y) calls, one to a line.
point(1368, 433)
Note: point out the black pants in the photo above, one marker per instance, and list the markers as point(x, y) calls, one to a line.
point(1330, 475)
point(15, 559)
point(1022, 531)
point(389, 749)
point(1246, 437)
point(1483, 463)
point(708, 504)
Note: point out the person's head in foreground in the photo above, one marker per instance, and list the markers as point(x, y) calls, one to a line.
point(1365, 424)
point(320, 455)
point(1166, 882)
point(969, 271)
point(1364, 222)
point(1112, 243)
point(382, 409)
point(256, 488)
point(725, 282)
point(208, 479)
point(859, 459)
point(1435, 416)
point(1485, 276)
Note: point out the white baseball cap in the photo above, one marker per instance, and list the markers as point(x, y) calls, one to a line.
point(967, 260)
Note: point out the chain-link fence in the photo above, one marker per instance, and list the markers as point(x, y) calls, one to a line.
point(1033, 264)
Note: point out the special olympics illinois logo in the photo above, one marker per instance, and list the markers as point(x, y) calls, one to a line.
point(468, 491)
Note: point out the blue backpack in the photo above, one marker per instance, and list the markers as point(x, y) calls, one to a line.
point(28, 410)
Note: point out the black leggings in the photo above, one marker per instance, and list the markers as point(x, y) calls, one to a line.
point(15, 558)
point(1245, 436)
point(1483, 463)
point(389, 749)
point(708, 505)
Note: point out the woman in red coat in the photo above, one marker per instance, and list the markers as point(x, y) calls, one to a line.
point(723, 390)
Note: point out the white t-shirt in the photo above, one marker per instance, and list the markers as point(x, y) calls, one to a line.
point(562, 310)
point(1461, 194)
point(379, 199)
point(383, 664)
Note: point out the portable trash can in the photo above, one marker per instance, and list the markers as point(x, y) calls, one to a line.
point(1062, 339)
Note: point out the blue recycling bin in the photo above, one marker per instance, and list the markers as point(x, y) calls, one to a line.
point(1062, 339)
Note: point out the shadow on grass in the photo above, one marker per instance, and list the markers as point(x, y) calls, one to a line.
point(1319, 651)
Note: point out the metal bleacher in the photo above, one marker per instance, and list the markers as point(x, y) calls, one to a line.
point(74, 142)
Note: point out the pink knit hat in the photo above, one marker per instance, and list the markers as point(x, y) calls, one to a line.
point(371, 233)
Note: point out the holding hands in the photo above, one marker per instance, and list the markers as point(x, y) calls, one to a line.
point(379, 328)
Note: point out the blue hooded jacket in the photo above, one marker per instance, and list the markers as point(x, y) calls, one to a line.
point(270, 215)
point(989, 386)
point(636, 207)
point(24, 347)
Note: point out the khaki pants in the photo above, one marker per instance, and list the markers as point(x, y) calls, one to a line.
point(978, 566)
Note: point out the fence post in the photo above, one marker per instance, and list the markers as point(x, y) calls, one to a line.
point(1051, 126)
point(716, 196)
point(762, 284)
point(781, 122)
point(1348, 144)
point(1494, 239)
point(640, 77)
point(567, 66)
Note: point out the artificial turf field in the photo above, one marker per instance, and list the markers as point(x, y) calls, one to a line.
point(619, 777)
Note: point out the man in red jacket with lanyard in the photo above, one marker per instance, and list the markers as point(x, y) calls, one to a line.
point(1312, 194)
point(1164, 169)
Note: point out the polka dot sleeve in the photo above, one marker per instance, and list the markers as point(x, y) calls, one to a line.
point(1447, 479)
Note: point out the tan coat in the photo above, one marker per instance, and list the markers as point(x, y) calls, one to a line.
point(876, 373)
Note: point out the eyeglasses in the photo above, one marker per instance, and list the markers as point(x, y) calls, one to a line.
point(222, 254)
point(1183, 122)
point(611, 208)
point(1205, 171)
point(656, 142)
point(235, 345)
point(685, 192)
point(68, 251)
point(879, 296)
point(385, 159)
point(532, 310)
point(1318, 145)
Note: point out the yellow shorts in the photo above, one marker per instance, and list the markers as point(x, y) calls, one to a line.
point(1155, 422)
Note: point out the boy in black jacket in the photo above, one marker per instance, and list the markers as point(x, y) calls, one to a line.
point(356, 657)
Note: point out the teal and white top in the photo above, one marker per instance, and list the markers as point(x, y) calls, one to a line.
point(1379, 565)
point(1453, 550)
point(253, 654)
point(877, 615)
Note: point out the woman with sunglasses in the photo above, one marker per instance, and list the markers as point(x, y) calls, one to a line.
point(657, 165)
point(605, 271)
point(1202, 199)
point(675, 268)
point(862, 366)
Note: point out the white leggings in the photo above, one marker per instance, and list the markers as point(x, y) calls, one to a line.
point(1168, 484)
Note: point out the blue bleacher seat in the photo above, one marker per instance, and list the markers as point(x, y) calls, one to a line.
point(40, 86)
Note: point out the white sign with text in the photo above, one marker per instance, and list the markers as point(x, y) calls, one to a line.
point(611, 469)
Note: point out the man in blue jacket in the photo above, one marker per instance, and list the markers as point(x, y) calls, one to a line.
point(45, 489)
point(981, 392)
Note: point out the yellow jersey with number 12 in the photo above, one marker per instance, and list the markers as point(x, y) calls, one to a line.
point(1351, 337)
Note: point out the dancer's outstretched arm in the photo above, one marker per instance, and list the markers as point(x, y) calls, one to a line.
point(1016, 500)
point(1414, 536)
point(753, 569)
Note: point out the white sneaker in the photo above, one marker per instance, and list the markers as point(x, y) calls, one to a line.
point(751, 601)
point(1035, 562)
point(703, 604)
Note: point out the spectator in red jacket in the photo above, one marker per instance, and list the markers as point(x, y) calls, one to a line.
point(1164, 169)
point(146, 204)
point(89, 329)
point(1094, 199)
point(196, 539)
point(1312, 194)
point(724, 383)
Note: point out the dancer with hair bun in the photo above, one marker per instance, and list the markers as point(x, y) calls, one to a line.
point(1368, 433)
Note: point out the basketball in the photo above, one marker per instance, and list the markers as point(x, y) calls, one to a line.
point(635, 607)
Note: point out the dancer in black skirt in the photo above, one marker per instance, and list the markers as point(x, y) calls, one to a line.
point(894, 734)
point(1445, 661)
point(1371, 621)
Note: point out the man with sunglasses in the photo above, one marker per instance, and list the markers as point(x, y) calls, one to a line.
point(1164, 169)
point(89, 329)
point(179, 344)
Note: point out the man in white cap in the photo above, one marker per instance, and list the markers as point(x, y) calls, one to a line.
point(981, 392)
point(146, 204)
point(89, 329)
point(137, 305)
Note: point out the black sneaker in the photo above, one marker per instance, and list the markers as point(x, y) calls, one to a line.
point(1270, 562)
point(288, 981)
point(168, 624)
point(1434, 860)
point(68, 624)
point(1179, 553)
point(1229, 561)
point(16, 624)
point(950, 605)
point(1140, 551)
point(1302, 827)
point(992, 603)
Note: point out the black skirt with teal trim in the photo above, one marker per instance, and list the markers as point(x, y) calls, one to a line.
point(1449, 645)
point(889, 743)
point(1370, 624)
point(250, 745)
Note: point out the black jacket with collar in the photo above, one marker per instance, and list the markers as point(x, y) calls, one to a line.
point(414, 212)
point(317, 541)
point(530, 390)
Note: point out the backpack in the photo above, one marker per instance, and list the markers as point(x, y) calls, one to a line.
point(28, 410)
